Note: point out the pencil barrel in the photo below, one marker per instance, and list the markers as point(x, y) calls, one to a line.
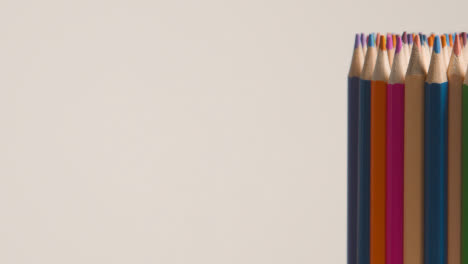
point(464, 202)
point(353, 108)
point(435, 174)
point(378, 171)
point(413, 233)
point(395, 149)
point(363, 218)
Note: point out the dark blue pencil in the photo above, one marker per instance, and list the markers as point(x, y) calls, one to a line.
point(435, 160)
point(353, 99)
point(363, 204)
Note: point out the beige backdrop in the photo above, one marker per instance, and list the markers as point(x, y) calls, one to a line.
point(181, 132)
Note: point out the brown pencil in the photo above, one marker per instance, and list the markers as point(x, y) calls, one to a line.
point(456, 75)
point(413, 216)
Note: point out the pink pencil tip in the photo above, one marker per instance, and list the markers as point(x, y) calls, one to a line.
point(456, 45)
point(389, 42)
point(417, 42)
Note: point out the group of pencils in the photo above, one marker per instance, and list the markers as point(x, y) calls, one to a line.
point(408, 149)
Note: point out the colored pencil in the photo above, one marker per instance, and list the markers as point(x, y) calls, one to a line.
point(378, 153)
point(430, 42)
point(425, 49)
point(443, 41)
point(363, 235)
point(395, 151)
point(405, 45)
point(390, 50)
point(464, 203)
point(450, 46)
point(455, 74)
point(464, 48)
point(435, 156)
point(353, 99)
point(413, 197)
point(410, 41)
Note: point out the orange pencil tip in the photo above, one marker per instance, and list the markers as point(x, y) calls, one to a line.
point(383, 43)
point(443, 39)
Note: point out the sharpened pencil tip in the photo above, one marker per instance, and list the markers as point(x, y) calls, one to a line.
point(443, 40)
point(357, 41)
point(389, 42)
point(382, 44)
point(398, 44)
point(410, 39)
point(456, 46)
point(430, 41)
point(417, 42)
point(463, 38)
point(363, 39)
point(371, 40)
point(437, 44)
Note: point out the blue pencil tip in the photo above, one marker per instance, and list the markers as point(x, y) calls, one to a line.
point(437, 44)
point(371, 42)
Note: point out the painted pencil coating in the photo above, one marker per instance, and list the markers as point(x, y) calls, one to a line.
point(395, 151)
point(378, 155)
point(435, 156)
point(464, 203)
point(456, 74)
point(353, 97)
point(363, 230)
point(413, 216)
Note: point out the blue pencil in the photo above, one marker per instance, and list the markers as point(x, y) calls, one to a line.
point(353, 99)
point(435, 160)
point(363, 203)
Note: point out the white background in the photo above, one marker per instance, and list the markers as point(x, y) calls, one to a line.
point(209, 132)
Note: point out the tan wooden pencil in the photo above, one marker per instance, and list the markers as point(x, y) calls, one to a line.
point(456, 75)
point(413, 218)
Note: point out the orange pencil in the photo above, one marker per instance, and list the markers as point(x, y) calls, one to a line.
point(378, 154)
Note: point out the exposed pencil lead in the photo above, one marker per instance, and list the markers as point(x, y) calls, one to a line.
point(398, 44)
point(417, 42)
point(456, 46)
point(443, 40)
point(371, 41)
point(389, 42)
point(357, 41)
point(437, 44)
point(382, 44)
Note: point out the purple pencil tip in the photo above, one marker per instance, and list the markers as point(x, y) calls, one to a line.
point(404, 37)
point(410, 39)
point(398, 44)
point(357, 41)
point(363, 39)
